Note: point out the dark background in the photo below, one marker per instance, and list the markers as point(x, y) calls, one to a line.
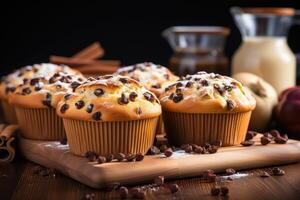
point(128, 31)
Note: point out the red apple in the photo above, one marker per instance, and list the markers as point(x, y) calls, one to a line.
point(287, 112)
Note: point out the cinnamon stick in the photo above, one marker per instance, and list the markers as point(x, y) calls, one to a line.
point(7, 153)
point(91, 52)
point(96, 69)
point(7, 133)
point(77, 62)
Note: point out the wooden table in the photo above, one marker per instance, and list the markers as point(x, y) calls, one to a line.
point(17, 181)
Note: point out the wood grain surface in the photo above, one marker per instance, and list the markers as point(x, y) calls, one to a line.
point(57, 156)
point(17, 181)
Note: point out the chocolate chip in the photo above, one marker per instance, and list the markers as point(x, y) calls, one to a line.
point(228, 88)
point(91, 156)
point(198, 150)
point(219, 89)
point(173, 188)
point(230, 171)
point(177, 97)
point(250, 135)
point(139, 157)
point(97, 116)
point(156, 86)
point(34, 81)
point(64, 79)
point(123, 100)
point(63, 141)
point(275, 133)
point(204, 82)
point(268, 135)
point(148, 96)
point(265, 140)
point(138, 110)
point(188, 149)
point(281, 139)
point(47, 100)
point(67, 96)
point(52, 80)
point(215, 191)
point(26, 91)
point(124, 80)
point(264, 174)
point(109, 157)
point(277, 171)
point(89, 108)
point(120, 157)
point(159, 181)
point(130, 157)
point(132, 96)
point(99, 92)
point(79, 104)
point(154, 150)
point(101, 160)
point(38, 86)
point(75, 85)
point(224, 190)
point(10, 89)
point(25, 80)
point(64, 107)
point(168, 152)
point(179, 84)
point(139, 195)
point(189, 84)
point(123, 192)
point(247, 143)
point(171, 96)
point(230, 104)
point(212, 149)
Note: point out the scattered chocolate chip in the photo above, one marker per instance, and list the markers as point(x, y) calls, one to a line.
point(275, 133)
point(97, 116)
point(120, 157)
point(230, 104)
point(189, 84)
point(89, 108)
point(79, 104)
point(101, 160)
point(130, 157)
point(64, 107)
point(124, 80)
point(163, 147)
point(47, 101)
point(250, 135)
point(148, 96)
point(34, 81)
point(168, 152)
point(63, 141)
point(159, 180)
point(123, 100)
point(52, 80)
point(139, 157)
point(123, 192)
point(179, 84)
point(91, 156)
point(173, 188)
point(215, 191)
point(230, 171)
point(281, 139)
point(268, 135)
point(188, 149)
point(138, 110)
point(156, 86)
point(198, 150)
point(212, 149)
point(67, 96)
point(109, 157)
point(177, 97)
point(277, 171)
point(98, 92)
point(26, 91)
point(264, 174)
point(265, 140)
point(154, 150)
point(132, 96)
point(204, 82)
point(247, 143)
point(224, 190)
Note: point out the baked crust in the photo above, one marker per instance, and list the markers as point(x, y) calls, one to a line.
point(44, 92)
point(109, 98)
point(154, 77)
point(207, 93)
point(11, 81)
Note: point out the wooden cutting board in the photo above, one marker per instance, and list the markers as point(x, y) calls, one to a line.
point(181, 164)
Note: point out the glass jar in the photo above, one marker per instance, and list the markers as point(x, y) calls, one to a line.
point(197, 48)
point(264, 50)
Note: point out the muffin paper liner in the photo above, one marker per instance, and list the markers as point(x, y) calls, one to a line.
point(160, 129)
point(9, 112)
point(135, 136)
point(40, 124)
point(201, 128)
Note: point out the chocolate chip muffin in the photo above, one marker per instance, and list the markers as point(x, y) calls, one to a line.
point(11, 81)
point(154, 77)
point(206, 107)
point(35, 101)
point(111, 114)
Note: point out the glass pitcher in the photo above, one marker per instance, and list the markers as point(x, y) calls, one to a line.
point(197, 48)
point(264, 50)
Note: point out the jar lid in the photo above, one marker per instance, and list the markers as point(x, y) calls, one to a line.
point(200, 30)
point(270, 11)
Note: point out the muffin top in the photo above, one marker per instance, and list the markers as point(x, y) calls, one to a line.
point(207, 93)
point(154, 77)
point(109, 98)
point(11, 81)
point(42, 92)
